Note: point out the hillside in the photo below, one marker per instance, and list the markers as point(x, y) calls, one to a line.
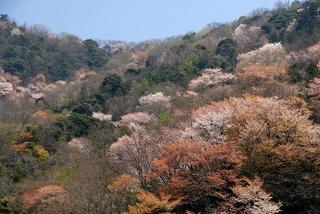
point(224, 120)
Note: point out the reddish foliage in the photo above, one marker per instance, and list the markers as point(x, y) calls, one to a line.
point(44, 195)
point(24, 137)
point(197, 172)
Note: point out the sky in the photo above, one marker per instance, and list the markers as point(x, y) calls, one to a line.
point(127, 20)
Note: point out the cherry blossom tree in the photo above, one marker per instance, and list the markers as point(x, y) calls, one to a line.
point(135, 153)
point(311, 53)
point(246, 36)
point(137, 118)
point(5, 88)
point(61, 93)
point(154, 103)
point(273, 134)
point(82, 144)
point(249, 197)
point(209, 124)
point(269, 54)
point(258, 119)
point(278, 136)
point(241, 36)
point(211, 78)
point(252, 117)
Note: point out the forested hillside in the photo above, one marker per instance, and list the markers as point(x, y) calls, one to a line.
point(224, 120)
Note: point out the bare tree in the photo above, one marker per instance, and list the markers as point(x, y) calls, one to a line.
point(16, 109)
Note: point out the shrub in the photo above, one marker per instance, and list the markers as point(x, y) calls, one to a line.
point(303, 71)
point(83, 109)
point(263, 72)
point(163, 117)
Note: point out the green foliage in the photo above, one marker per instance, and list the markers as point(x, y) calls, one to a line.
point(65, 173)
point(61, 68)
point(15, 66)
point(5, 206)
point(309, 21)
point(77, 125)
point(48, 136)
point(151, 62)
point(221, 62)
point(303, 71)
point(42, 155)
point(201, 57)
point(186, 61)
point(189, 36)
point(38, 152)
point(104, 134)
point(163, 117)
point(189, 67)
point(35, 51)
point(226, 55)
point(305, 30)
point(294, 182)
point(96, 57)
point(171, 74)
point(20, 167)
point(9, 133)
point(85, 95)
point(84, 108)
point(168, 68)
point(278, 23)
point(113, 85)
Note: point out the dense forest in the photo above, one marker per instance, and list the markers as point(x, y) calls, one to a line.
point(224, 120)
